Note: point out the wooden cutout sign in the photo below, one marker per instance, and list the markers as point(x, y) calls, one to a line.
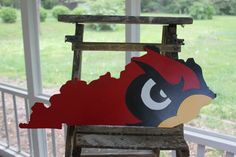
point(153, 90)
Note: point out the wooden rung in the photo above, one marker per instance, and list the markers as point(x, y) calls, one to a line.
point(131, 130)
point(116, 153)
point(107, 46)
point(130, 142)
point(124, 19)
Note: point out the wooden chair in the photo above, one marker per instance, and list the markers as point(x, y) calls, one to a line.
point(124, 137)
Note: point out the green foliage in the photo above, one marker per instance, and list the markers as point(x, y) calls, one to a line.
point(201, 11)
point(225, 7)
point(222, 7)
point(8, 15)
point(7, 3)
point(57, 10)
point(198, 9)
point(79, 11)
point(43, 14)
point(105, 7)
point(150, 5)
point(49, 4)
point(10, 3)
point(180, 6)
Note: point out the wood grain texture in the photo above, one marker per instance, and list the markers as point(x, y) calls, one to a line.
point(130, 142)
point(169, 36)
point(108, 46)
point(124, 19)
point(116, 153)
point(130, 130)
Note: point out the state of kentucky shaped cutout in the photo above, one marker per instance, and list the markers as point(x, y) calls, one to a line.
point(153, 90)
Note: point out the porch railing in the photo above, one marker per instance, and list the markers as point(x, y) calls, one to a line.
point(14, 142)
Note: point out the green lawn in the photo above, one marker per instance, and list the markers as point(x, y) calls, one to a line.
point(211, 42)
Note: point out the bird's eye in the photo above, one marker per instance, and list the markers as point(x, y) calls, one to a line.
point(148, 101)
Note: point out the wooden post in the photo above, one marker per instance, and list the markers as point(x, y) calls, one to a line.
point(76, 73)
point(77, 66)
point(169, 36)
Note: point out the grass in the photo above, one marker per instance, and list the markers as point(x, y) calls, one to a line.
point(212, 43)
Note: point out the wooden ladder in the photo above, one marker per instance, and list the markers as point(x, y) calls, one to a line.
point(124, 137)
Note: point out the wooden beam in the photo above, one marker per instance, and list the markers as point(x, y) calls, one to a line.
point(130, 130)
point(124, 19)
point(130, 142)
point(132, 31)
point(107, 46)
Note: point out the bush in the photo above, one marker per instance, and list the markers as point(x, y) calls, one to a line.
point(201, 11)
point(7, 3)
point(150, 6)
point(180, 6)
point(225, 7)
point(48, 4)
point(10, 3)
point(106, 7)
point(43, 14)
point(8, 15)
point(79, 11)
point(58, 10)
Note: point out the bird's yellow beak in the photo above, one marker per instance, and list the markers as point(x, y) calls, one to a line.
point(188, 110)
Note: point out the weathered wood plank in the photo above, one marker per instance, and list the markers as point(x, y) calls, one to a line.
point(130, 142)
point(169, 36)
point(124, 19)
point(76, 73)
point(108, 46)
point(93, 152)
point(117, 155)
point(130, 130)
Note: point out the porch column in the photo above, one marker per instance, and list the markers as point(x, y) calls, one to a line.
point(30, 26)
point(132, 31)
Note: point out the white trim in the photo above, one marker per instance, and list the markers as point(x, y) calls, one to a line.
point(30, 24)
point(201, 150)
point(211, 139)
point(13, 90)
point(132, 31)
point(8, 152)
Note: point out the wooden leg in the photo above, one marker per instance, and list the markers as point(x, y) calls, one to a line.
point(76, 72)
point(69, 141)
point(185, 153)
point(157, 152)
point(182, 153)
point(76, 152)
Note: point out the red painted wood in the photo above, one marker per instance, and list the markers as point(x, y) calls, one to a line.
point(103, 102)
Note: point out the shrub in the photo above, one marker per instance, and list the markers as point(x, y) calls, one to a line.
point(79, 11)
point(201, 11)
point(225, 7)
point(43, 14)
point(150, 6)
point(58, 10)
point(180, 6)
point(8, 15)
point(48, 4)
point(7, 3)
point(106, 7)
